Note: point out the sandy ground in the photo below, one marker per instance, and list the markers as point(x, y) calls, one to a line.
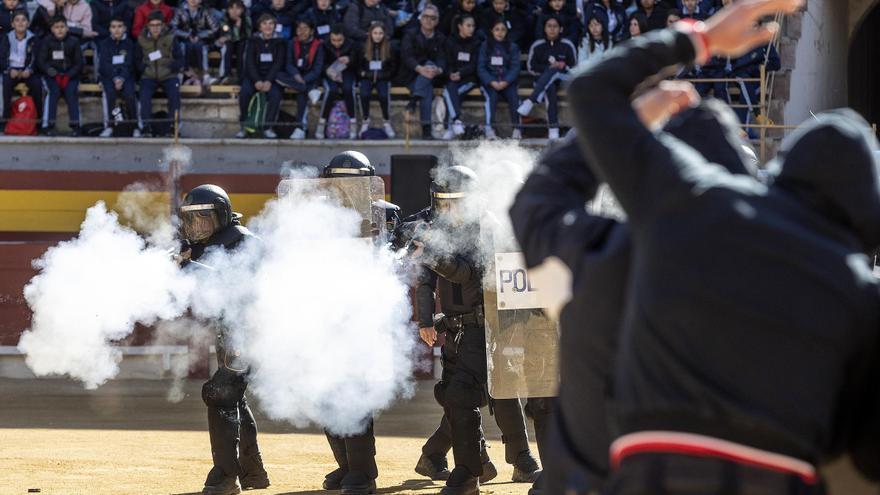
point(126, 438)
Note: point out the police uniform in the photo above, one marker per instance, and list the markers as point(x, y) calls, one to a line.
point(207, 220)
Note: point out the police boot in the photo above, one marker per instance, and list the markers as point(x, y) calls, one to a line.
point(220, 484)
point(489, 471)
point(433, 466)
point(525, 468)
point(333, 479)
point(461, 482)
point(358, 483)
point(253, 475)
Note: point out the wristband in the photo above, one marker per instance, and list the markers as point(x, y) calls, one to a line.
point(696, 30)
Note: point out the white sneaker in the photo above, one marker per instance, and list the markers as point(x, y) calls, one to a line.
point(525, 107)
point(107, 132)
point(516, 134)
point(353, 129)
point(319, 131)
point(457, 128)
point(207, 80)
point(315, 96)
point(389, 131)
point(136, 133)
point(240, 134)
point(553, 133)
point(365, 126)
point(298, 134)
point(490, 133)
point(269, 134)
point(448, 135)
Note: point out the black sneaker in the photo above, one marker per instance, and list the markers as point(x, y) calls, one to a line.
point(427, 134)
point(75, 132)
point(525, 469)
point(357, 484)
point(461, 482)
point(433, 467)
point(228, 486)
point(50, 132)
point(333, 480)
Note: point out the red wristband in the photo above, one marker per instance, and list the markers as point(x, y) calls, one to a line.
point(697, 32)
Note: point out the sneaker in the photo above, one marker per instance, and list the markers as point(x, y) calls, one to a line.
point(319, 131)
point(298, 134)
point(516, 134)
point(525, 107)
point(207, 80)
point(389, 131)
point(136, 133)
point(75, 131)
point(357, 484)
point(448, 135)
point(107, 132)
point(525, 468)
point(228, 486)
point(315, 96)
point(461, 482)
point(457, 128)
point(427, 133)
point(553, 133)
point(269, 134)
point(353, 129)
point(365, 126)
point(489, 133)
point(240, 134)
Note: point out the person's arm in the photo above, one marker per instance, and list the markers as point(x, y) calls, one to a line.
point(43, 58)
point(178, 24)
point(426, 281)
point(535, 66)
point(138, 24)
point(389, 23)
point(571, 56)
point(77, 65)
point(317, 67)
point(482, 64)
point(86, 22)
point(408, 51)
point(442, 61)
point(512, 72)
point(176, 58)
point(251, 58)
point(210, 26)
point(279, 55)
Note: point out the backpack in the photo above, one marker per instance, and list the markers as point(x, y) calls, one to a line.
point(23, 117)
point(256, 115)
point(338, 122)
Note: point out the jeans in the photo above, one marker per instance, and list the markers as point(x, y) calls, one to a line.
point(383, 88)
point(71, 96)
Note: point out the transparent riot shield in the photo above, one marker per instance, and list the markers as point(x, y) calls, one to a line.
point(522, 343)
point(357, 193)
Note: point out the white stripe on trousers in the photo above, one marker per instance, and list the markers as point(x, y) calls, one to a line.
point(46, 104)
point(462, 89)
point(487, 106)
point(556, 77)
point(105, 107)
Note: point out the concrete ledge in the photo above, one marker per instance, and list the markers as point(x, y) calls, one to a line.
point(144, 362)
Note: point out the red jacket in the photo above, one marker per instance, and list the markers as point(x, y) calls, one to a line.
point(143, 11)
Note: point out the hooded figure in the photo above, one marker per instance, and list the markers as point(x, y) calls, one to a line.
point(553, 227)
point(751, 309)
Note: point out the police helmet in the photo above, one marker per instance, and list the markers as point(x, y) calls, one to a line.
point(349, 164)
point(450, 186)
point(205, 210)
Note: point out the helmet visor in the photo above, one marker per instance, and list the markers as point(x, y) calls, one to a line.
point(198, 222)
point(449, 207)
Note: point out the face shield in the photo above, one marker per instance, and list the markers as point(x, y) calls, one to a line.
point(198, 222)
point(449, 207)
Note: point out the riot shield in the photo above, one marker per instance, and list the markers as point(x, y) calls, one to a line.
point(522, 343)
point(356, 193)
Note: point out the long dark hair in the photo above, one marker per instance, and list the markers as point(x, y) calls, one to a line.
point(459, 20)
point(602, 19)
point(491, 41)
point(384, 46)
point(641, 19)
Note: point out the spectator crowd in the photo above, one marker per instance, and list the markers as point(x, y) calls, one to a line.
point(338, 55)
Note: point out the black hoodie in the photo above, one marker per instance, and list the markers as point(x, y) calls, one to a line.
point(751, 309)
point(462, 56)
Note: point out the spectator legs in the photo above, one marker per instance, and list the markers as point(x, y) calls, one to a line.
point(423, 90)
point(552, 101)
point(71, 96)
point(512, 97)
point(452, 95)
point(110, 96)
point(383, 90)
point(490, 103)
point(225, 60)
point(302, 107)
point(148, 88)
point(171, 86)
point(245, 94)
point(546, 80)
point(366, 93)
point(348, 93)
point(172, 91)
point(331, 88)
point(273, 104)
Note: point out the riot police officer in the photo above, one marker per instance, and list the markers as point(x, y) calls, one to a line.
point(356, 454)
point(457, 277)
point(207, 220)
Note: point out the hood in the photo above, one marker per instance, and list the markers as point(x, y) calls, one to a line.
point(830, 164)
point(713, 130)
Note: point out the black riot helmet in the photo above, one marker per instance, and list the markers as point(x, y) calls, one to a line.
point(205, 210)
point(450, 186)
point(349, 164)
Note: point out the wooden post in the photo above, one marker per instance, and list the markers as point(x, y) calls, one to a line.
point(766, 112)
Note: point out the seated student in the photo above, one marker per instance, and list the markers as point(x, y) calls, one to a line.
point(305, 63)
point(235, 30)
point(462, 52)
point(41, 23)
point(159, 61)
point(377, 68)
point(672, 16)
point(597, 41)
point(264, 59)
point(17, 50)
point(498, 68)
point(360, 15)
point(59, 60)
point(323, 14)
point(637, 25)
point(285, 16)
point(7, 12)
point(449, 16)
point(748, 66)
point(549, 61)
point(615, 14)
point(194, 27)
point(572, 29)
point(513, 19)
point(655, 14)
point(423, 54)
point(104, 11)
point(116, 71)
point(342, 53)
point(693, 9)
point(143, 12)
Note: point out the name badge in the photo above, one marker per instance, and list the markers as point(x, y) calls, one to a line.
point(57, 54)
point(71, 24)
point(279, 28)
point(464, 57)
point(154, 55)
point(118, 59)
point(375, 65)
point(323, 29)
point(299, 63)
point(508, 25)
point(497, 61)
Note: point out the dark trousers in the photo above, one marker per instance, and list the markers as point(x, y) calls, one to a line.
point(383, 89)
point(356, 455)
point(452, 95)
point(35, 90)
point(566, 471)
point(273, 101)
point(195, 55)
point(232, 58)
point(232, 428)
point(111, 95)
point(422, 89)
point(171, 86)
point(54, 93)
point(302, 97)
point(333, 91)
point(547, 87)
point(675, 474)
point(510, 96)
